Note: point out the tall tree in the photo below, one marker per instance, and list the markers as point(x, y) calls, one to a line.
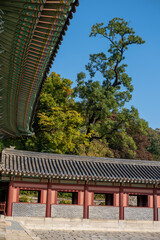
point(101, 103)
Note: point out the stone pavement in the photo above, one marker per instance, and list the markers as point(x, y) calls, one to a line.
point(14, 231)
point(87, 235)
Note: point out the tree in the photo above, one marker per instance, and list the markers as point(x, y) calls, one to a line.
point(130, 140)
point(120, 37)
point(154, 139)
point(102, 104)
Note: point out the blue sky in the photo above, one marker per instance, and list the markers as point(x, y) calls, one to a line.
point(143, 60)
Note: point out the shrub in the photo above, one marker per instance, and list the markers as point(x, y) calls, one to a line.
point(64, 201)
point(24, 198)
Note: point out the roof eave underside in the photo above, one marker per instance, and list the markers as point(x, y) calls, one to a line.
point(31, 32)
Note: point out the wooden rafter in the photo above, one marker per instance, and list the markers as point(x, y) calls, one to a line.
point(32, 32)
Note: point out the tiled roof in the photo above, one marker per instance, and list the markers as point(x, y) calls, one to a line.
point(78, 167)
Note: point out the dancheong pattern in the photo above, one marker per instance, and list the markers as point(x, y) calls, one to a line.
point(30, 34)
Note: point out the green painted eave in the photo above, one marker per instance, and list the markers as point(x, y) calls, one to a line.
point(30, 34)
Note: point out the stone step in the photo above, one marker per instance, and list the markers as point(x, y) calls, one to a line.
point(2, 230)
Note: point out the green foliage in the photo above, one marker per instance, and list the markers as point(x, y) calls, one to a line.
point(28, 196)
point(96, 148)
point(129, 135)
point(154, 139)
point(99, 199)
point(99, 196)
point(24, 198)
point(65, 201)
point(29, 193)
point(64, 195)
point(1, 145)
point(116, 85)
point(57, 124)
point(113, 129)
point(112, 68)
point(66, 198)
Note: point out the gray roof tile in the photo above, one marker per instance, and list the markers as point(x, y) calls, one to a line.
point(70, 166)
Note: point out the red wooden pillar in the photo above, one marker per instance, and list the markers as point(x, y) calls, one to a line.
point(17, 198)
point(121, 208)
point(85, 203)
point(127, 200)
point(42, 197)
point(55, 198)
point(79, 197)
point(48, 202)
point(155, 209)
point(10, 199)
point(114, 199)
point(92, 202)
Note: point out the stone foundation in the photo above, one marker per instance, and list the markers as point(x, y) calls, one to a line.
point(76, 224)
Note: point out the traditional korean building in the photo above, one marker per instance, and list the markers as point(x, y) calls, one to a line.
point(131, 187)
point(31, 32)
